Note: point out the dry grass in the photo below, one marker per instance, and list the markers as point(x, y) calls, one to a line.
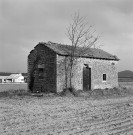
point(12, 93)
point(121, 91)
point(126, 84)
point(124, 89)
point(12, 86)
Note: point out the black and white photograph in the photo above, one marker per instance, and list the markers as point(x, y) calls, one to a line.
point(66, 67)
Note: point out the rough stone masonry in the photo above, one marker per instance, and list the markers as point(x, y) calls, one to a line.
point(96, 69)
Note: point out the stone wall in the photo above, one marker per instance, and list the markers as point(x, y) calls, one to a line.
point(30, 63)
point(47, 62)
point(54, 71)
point(60, 81)
point(98, 68)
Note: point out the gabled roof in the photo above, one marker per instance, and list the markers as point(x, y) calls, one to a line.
point(14, 76)
point(86, 52)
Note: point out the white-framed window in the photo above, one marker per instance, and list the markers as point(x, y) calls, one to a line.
point(104, 77)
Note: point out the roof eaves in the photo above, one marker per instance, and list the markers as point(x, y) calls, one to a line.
point(91, 57)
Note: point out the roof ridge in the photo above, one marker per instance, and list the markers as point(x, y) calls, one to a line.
point(64, 49)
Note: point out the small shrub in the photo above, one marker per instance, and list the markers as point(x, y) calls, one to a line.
point(117, 91)
point(73, 91)
point(69, 92)
point(4, 94)
point(97, 93)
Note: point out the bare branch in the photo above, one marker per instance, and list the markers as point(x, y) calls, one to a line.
point(82, 36)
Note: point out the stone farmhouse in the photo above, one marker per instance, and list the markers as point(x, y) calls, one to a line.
point(96, 69)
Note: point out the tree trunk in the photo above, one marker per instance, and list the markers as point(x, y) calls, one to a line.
point(66, 74)
point(71, 68)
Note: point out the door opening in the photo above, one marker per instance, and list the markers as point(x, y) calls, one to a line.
point(86, 78)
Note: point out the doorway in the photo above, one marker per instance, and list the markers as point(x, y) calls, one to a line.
point(86, 78)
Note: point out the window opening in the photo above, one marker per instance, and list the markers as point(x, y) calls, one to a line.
point(41, 71)
point(104, 77)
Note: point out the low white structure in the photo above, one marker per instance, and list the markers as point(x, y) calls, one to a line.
point(3, 79)
point(15, 78)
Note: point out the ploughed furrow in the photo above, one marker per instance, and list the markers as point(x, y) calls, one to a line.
point(84, 117)
point(122, 130)
point(91, 125)
point(99, 112)
point(99, 127)
point(89, 117)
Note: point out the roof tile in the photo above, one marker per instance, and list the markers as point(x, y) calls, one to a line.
point(80, 51)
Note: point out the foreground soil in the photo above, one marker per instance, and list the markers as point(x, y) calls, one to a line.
point(66, 115)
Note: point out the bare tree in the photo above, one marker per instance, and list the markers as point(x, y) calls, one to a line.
point(81, 35)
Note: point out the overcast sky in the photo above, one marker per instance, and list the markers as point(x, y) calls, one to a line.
point(24, 23)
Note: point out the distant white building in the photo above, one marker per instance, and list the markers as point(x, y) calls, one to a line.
point(15, 78)
point(3, 79)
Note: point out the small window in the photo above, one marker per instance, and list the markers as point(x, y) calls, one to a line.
point(41, 71)
point(104, 77)
point(41, 66)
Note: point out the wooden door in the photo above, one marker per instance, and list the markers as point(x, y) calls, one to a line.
point(86, 78)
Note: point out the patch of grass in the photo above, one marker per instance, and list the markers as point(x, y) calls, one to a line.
point(98, 93)
point(11, 93)
point(114, 92)
point(69, 92)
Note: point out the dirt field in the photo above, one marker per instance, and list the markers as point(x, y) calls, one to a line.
point(51, 115)
point(65, 115)
point(12, 86)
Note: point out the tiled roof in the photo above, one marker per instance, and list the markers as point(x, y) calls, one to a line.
point(86, 52)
